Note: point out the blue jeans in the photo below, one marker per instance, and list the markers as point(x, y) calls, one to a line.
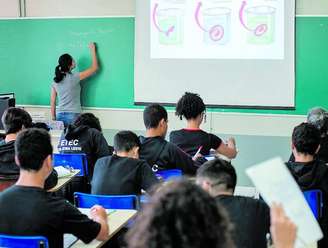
point(67, 117)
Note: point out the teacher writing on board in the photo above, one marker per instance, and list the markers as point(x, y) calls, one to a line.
point(67, 87)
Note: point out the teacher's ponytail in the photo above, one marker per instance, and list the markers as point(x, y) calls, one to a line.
point(64, 66)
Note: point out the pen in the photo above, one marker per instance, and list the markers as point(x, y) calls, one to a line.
point(197, 153)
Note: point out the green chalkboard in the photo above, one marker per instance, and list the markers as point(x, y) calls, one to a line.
point(29, 49)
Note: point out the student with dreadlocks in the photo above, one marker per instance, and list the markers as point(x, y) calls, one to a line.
point(192, 138)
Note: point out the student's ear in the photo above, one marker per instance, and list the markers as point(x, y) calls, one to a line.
point(292, 146)
point(162, 123)
point(205, 185)
point(17, 161)
point(135, 151)
point(48, 163)
point(318, 149)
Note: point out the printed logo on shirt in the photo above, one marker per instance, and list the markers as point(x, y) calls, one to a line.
point(69, 145)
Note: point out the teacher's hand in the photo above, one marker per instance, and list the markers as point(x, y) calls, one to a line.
point(92, 46)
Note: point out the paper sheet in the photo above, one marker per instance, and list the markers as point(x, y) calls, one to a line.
point(275, 184)
point(62, 171)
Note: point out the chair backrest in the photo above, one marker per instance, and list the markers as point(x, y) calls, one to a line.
point(5, 184)
point(23, 241)
point(83, 200)
point(75, 160)
point(315, 201)
point(169, 174)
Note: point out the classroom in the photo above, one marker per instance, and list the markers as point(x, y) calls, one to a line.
point(229, 94)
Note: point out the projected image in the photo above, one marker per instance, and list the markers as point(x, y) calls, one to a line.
point(260, 23)
point(216, 24)
point(217, 29)
point(168, 23)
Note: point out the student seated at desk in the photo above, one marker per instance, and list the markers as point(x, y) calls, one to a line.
point(180, 215)
point(27, 209)
point(192, 138)
point(14, 120)
point(123, 173)
point(319, 118)
point(251, 217)
point(308, 171)
point(156, 150)
point(85, 136)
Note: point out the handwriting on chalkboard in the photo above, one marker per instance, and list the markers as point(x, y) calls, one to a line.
point(91, 32)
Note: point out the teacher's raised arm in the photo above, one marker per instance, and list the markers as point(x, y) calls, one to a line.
point(94, 67)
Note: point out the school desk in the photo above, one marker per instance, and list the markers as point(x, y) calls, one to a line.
point(116, 221)
point(64, 181)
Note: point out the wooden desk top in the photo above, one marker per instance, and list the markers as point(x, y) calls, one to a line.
point(63, 181)
point(116, 221)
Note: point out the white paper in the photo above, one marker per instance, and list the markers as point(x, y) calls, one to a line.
point(62, 171)
point(275, 184)
point(38, 116)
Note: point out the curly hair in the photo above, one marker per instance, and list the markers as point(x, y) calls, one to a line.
point(88, 119)
point(190, 106)
point(181, 215)
point(319, 118)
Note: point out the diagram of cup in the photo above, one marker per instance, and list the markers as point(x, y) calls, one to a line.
point(170, 22)
point(217, 23)
point(261, 20)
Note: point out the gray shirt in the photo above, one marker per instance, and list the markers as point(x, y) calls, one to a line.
point(69, 93)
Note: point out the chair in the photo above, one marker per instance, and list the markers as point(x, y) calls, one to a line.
point(74, 160)
point(169, 174)
point(83, 200)
point(315, 201)
point(23, 241)
point(4, 184)
point(7, 181)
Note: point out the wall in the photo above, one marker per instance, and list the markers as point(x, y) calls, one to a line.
point(229, 123)
point(312, 7)
point(46, 8)
point(225, 123)
point(9, 8)
point(258, 135)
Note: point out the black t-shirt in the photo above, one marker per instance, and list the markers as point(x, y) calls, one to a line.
point(190, 140)
point(86, 140)
point(32, 211)
point(251, 220)
point(156, 150)
point(114, 175)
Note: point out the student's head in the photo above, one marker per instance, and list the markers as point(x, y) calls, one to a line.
point(217, 177)
point(41, 125)
point(16, 119)
point(306, 139)
point(33, 151)
point(65, 65)
point(191, 107)
point(319, 118)
point(181, 214)
point(88, 119)
point(127, 142)
point(155, 117)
